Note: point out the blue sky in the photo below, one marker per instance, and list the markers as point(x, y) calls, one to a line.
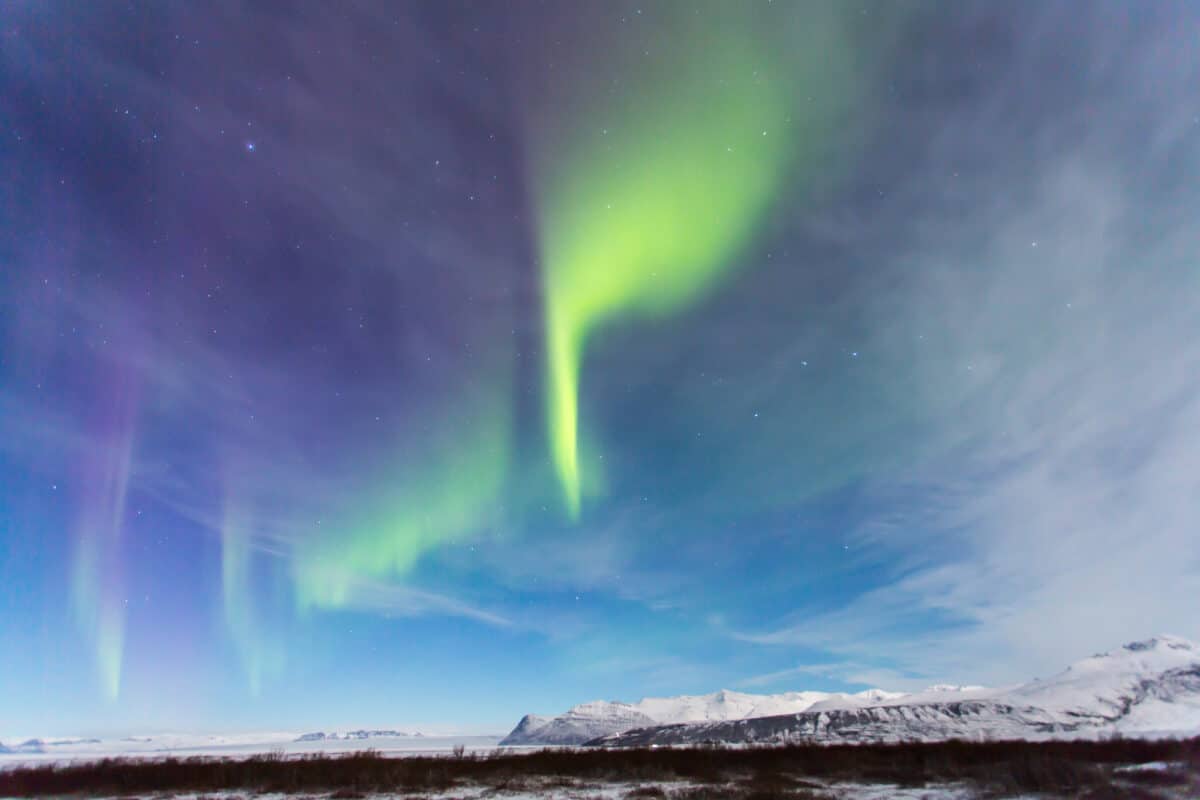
point(274, 441)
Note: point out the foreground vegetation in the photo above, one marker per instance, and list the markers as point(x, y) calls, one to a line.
point(1075, 769)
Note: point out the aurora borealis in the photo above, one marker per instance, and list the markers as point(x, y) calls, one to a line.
point(656, 187)
point(434, 363)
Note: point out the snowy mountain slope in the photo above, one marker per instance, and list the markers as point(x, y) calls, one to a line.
point(580, 724)
point(1143, 688)
point(724, 705)
point(878, 697)
point(527, 728)
point(598, 718)
point(1115, 687)
point(967, 719)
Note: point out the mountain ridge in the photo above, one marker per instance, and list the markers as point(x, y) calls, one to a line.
point(1144, 687)
point(589, 720)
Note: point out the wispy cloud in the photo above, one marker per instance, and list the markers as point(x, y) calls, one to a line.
point(1050, 308)
point(401, 600)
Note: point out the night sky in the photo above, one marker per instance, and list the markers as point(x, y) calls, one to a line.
point(431, 363)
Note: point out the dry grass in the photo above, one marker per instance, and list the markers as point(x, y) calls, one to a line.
point(798, 771)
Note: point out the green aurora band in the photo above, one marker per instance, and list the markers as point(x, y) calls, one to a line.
point(99, 614)
point(97, 577)
point(646, 197)
point(450, 489)
point(644, 201)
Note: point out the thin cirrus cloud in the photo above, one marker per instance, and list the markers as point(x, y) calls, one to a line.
point(1053, 513)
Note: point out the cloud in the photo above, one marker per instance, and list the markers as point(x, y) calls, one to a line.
point(399, 600)
point(1048, 302)
point(835, 669)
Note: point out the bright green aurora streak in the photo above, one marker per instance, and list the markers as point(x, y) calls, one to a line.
point(645, 198)
point(451, 489)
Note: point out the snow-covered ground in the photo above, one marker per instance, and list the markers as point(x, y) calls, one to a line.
point(27, 752)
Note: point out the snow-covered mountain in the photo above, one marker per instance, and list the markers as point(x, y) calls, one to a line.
point(598, 718)
point(322, 736)
point(1145, 688)
point(578, 725)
